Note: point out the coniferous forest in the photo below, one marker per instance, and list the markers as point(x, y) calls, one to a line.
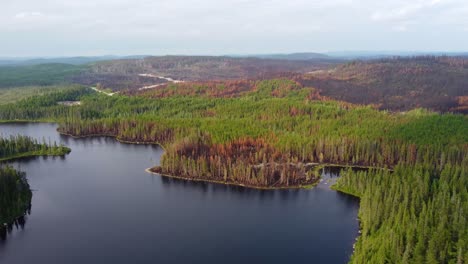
point(414, 214)
point(273, 133)
point(15, 198)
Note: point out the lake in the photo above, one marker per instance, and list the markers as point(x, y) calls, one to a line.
point(98, 205)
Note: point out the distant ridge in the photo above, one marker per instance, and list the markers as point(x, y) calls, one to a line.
point(78, 60)
point(296, 56)
point(290, 56)
point(369, 55)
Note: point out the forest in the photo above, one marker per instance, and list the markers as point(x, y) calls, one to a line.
point(272, 133)
point(15, 197)
point(37, 75)
point(415, 214)
point(14, 94)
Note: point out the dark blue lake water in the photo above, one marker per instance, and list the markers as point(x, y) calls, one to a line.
point(98, 205)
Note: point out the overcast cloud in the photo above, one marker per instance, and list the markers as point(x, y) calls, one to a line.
point(124, 27)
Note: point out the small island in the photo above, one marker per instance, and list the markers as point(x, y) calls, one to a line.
point(16, 147)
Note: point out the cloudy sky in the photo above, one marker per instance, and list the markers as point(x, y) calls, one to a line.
point(124, 27)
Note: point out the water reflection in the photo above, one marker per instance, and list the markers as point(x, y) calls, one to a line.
point(86, 141)
point(235, 190)
point(18, 224)
point(329, 175)
point(347, 199)
point(202, 186)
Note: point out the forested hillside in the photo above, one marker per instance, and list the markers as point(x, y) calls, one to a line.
point(37, 75)
point(15, 94)
point(124, 74)
point(439, 83)
point(396, 84)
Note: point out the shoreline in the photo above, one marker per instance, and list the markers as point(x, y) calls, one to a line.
point(114, 137)
point(159, 144)
point(390, 168)
point(148, 170)
point(32, 155)
point(337, 189)
point(354, 166)
point(347, 192)
point(307, 186)
point(24, 121)
point(25, 156)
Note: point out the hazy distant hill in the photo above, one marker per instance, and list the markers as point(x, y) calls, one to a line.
point(38, 75)
point(294, 56)
point(371, 55)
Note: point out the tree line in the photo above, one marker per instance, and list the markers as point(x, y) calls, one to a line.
point(23, 146)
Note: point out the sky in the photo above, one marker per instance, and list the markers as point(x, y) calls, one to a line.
point(216, 27)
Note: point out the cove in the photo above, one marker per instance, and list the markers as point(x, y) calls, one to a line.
point(98, 205)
